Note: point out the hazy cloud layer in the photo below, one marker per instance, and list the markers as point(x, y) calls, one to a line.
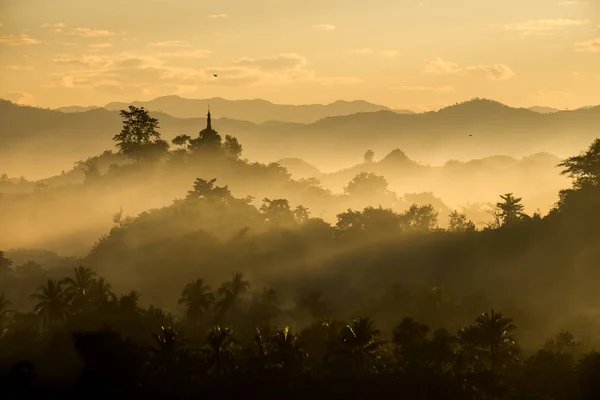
point(324, 27)
point(588, 46)
point(439, 66)
point(149, 74)
point(543, 27)
point(18, 40)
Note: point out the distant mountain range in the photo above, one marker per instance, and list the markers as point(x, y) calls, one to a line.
point(33, 139)
point(257, 111)
point(543, 110)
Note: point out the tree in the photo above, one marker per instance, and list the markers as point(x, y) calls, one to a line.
point(360, 347)
point(459, 223)
point(5, 263)
point(197, 298)
point(231, 292)
point(277, 212)
point(4, 304)
point(232, 147)
point(78, 287)
point(584, 168)
point(369, 156)
point(139, 138)
point(492, 333)
point(511, 209)
point(50, 306)
point(301, 214)
point(207, 190)
point(181, 140)
point(367, 184)
point(420, 218)
point(220, 351)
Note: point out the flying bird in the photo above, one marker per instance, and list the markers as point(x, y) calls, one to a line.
point(215, 75)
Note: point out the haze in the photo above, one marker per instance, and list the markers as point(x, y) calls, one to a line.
point(390, 198)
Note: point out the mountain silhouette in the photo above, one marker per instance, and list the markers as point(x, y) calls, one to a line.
point(543, 110)
point(39, 137)
point(257, 110)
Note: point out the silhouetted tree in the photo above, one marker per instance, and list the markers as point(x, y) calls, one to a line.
point(459, 223)
point(231, 292)
point(50, 306)
point(139, 138)
point(232, 147)
point(198, 299)
point(367, 184)
point(511, 209)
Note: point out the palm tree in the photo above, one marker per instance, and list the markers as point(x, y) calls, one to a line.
point(231, 292)
point(492, 334)
point(78, 287)
point(101, 293)
point(128, 303)
point(3, 311)
point(51, 306)
point(360, 346)
point(286, 351)
point(220, 350)
point(170, 356)
point(197, 298)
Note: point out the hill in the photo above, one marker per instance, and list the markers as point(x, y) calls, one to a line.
point(257, 110)
point(76, 109)
point(34, 139)
point(543, 110)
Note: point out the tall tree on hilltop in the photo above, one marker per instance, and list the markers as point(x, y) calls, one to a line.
point(511, 209)
point(584, 168)
point(139, 138)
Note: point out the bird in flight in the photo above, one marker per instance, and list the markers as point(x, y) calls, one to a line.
point(215, 75)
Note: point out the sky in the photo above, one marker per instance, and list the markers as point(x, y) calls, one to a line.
point(405, 54)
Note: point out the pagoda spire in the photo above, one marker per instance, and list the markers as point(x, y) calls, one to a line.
point(208, 122)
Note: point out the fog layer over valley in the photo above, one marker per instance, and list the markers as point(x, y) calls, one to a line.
point(192, 235)
point(68, 212)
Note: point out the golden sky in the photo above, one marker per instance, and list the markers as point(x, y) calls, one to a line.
point(400, 53)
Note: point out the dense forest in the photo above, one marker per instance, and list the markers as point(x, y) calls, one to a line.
point(223, 293)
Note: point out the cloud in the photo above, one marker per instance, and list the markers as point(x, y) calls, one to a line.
point(217, 16)
point(198, 53)
point(390, 53)
point(90, 33)
point(340, 80)
point(360, 51)
point(150, 74)
point(18, 40)
point(170, 43)
point(572, 3)
point(588, 46)
point(435, 89)
point(543, 27)
point(61, 27)
point(323, 27)
point(97, 46)
point(437, 66)
point(19, 97)
point(19, 67)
